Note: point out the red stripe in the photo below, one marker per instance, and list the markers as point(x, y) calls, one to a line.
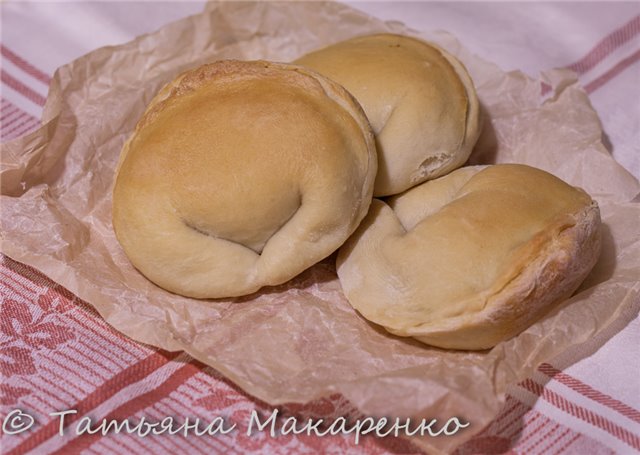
point(571, 441)
point(12, 292)
point(103, 333)
point(16, 278)
point(112, 351)
point(47, 381)
point(132, 445)
point(137, 445)
point(129, 446)
point(131, 407)
point(55, 384)
point(92, 366)
point(582, 413)
point(503, 415)
point(518, 427)
point(99, 357)
point(63, 382)
point(99, 339)
point(24, 65)
point(516, 420)
point(531, 432)
point(598, 53)
point(47, 386)
point(9, 284)
point(159, 415)
point(80, 370)
point(590, 392)
point(20, 126)
point(23, 128)
point(607, 45)
point(25, 272)
point(542, 432)
point(606, 77)
point(28, 400)
point(23, 115)
point(38, 388)
point(7, 112)
point(30, 276)
point(158, 412)
point(170, 405)
point(545, 436)
point(98, 325)
point(19, 87)
point(213, 376)
point(168, 445)
point(120, 442)
point(547, 448)
point(124, 378)
point(12, 136)
point(223, 446)
point(43, 409)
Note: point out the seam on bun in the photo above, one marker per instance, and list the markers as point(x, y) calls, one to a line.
point(472, 258)
point(241, 175)
point(420, 100)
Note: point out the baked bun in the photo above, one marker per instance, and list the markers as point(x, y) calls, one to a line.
point(419, 99)
point(473, 258)
point(241, 175)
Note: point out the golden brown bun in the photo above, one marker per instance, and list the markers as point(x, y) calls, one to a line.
point(241, 175)
point(473, 258)
point(419, 99)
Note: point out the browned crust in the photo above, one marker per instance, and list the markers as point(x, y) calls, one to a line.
point(234, 70)
point(550, 277)
point(228, 72)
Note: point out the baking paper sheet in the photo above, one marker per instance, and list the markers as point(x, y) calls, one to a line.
point(301, 341)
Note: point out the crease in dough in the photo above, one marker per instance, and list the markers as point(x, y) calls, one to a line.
point(420, 100)
point(241, 175)
point(470, 259)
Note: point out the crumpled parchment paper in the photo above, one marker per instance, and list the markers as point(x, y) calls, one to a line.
point(302, 340)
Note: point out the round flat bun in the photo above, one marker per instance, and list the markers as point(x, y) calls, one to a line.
point(473, 258)
point(241, 175)
point(419, 99)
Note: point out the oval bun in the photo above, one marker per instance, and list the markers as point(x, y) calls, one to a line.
point(472, 258)
point(419, 99)
point(241, 175)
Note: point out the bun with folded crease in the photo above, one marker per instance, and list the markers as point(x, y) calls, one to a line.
point(472, 258)
point(241, 175)
point(419, 99)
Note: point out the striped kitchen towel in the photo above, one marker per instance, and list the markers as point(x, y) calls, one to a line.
point(57, 354)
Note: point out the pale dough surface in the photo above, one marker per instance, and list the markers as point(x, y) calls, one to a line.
point(241, 175)
point(419, 99)
point(471, 258)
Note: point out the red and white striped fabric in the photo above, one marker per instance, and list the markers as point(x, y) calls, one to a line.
point(56, 353)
